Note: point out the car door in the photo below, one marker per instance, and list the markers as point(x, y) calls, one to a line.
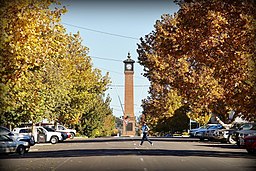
point(41, 136)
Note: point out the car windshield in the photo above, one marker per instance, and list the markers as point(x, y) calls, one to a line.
point(4, 131)
point(49, 129)
point(61, 128)
point(4, 138)
point(212, 126)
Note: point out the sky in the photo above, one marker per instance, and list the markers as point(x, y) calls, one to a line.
point(111, 29)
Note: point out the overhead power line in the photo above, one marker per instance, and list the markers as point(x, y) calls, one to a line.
point(102, 32)
point(111, 85)
point(107, 59)
point(119, 73)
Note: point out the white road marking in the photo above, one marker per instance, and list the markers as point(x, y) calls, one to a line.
point(145, 169)
point(62, 163)
point(44, 144)
point(141, 159)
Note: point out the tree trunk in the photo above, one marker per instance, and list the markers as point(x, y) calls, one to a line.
point(227, 126)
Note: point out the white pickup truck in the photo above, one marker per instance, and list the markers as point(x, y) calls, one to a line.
point(61, 128)
point(46, 134)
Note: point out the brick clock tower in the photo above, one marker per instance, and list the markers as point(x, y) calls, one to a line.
point(129, 119)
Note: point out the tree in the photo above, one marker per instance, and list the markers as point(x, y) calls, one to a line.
point(161, 107)
point(45, 72)
point(98, 119)
point(176, 123)
point(205, 52)
point(25, 46)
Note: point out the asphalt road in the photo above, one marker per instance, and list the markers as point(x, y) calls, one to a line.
point(125, 154)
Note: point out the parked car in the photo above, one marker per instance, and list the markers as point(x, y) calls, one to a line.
point(193, 131)
point(17, 136)
point(209, 133)
point(46, 134)
point(24, 131)
point(250, 144)
point(65, 135)
point(10, 145)
point(238, 136)
point(223, 135)
point(201, 133)
point(61, 128)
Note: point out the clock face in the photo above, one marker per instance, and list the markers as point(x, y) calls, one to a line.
point(129, 66)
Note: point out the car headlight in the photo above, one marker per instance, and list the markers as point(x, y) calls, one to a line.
point(26, 143)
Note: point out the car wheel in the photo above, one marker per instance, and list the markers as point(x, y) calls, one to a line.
point(72, 135)
point(21, 149)
point(54, 140)
point(231, 140)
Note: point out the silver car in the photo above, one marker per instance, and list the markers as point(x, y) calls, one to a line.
point(9, 145)
point(20, 136)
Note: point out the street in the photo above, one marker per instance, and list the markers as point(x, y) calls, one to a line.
point(124, 153)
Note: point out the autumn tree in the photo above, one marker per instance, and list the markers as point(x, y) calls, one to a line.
point(45, 72)
point(26, 43)
point(161, 105)
point(205, 52)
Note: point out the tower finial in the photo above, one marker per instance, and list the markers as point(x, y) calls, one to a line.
point(129, 56)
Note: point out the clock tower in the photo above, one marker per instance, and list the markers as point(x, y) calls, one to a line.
point(128, 118)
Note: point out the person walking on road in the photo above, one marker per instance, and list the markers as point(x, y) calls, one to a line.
point(145, 130)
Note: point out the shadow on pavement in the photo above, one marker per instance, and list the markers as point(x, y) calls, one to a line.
point(124, 152)
point(227, 146)
point(120, 139)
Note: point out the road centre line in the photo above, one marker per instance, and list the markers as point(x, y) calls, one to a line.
point(62, 163)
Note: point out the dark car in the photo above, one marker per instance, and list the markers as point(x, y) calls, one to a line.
point(65, 135)
point(201, 133)
point(224, 135)
point(209, 133)
point(250, 144)
point(238, 136)
point(193, 131)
